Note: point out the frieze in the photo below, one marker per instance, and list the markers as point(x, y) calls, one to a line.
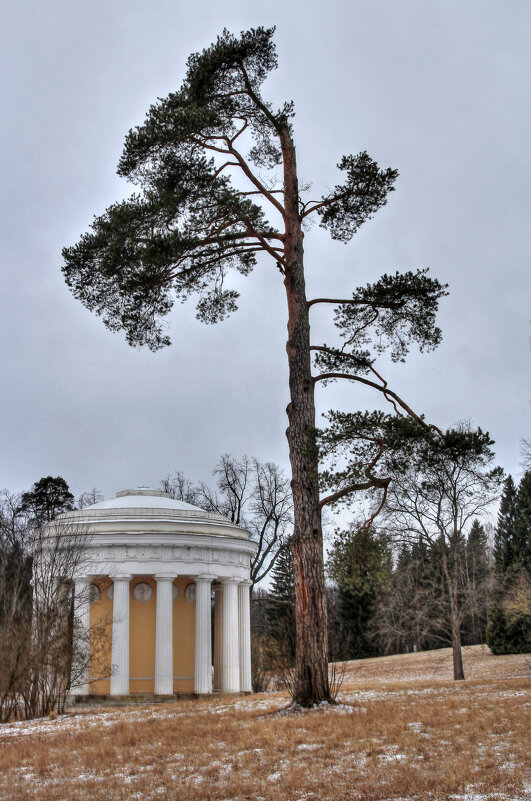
point(171, 553)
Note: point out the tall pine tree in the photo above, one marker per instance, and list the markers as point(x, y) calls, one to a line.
point(476, 578)
point(509, 625)
point(280, 605)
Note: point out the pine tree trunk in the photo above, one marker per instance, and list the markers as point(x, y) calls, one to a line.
point(311, 660)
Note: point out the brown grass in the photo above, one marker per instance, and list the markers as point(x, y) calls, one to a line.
point(393, 737)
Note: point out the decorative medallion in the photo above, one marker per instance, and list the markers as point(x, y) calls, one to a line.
point(94, 593)
point(110, 592)
point(174, 592)
point(142, 592)
point(189, 593)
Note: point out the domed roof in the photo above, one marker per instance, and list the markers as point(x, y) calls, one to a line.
point(146, 510)
point(142, 498)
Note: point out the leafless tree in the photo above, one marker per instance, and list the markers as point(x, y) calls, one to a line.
point(88, 498)
point(251, 494)
point(44, 643)
point(445, 486)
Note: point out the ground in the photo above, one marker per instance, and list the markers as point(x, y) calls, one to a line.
point(402, 730)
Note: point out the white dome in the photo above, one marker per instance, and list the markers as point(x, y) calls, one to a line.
point(142, 498)
point(150, 512)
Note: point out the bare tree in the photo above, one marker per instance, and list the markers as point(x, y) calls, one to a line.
point(447, 484)
point(15, 602)
point(89, 497)
point(181, 488)
point(44, 642)
point(251, 494)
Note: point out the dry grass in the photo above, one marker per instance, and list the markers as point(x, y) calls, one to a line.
point(397, 734)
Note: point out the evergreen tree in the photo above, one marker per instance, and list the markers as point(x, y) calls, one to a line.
point(201, 159)
point(280, 604)
point(360, 563)
point(476, 585)
point(47, 498)
point(503, 536)
point(522, 526)
point(509, 624)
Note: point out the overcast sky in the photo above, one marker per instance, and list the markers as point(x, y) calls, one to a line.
point(438, 89)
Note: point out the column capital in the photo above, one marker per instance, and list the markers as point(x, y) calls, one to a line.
point(164, 576)
point(204, 577)
point(246, 583)
point(85, 578)
point(122, 577)
point(229, 580)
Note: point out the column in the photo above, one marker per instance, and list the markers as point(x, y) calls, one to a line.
point(82, 645)
point(230, 660)
point(203, 633)
point(120, 636)
point(244, 628)
point(218, 630)
point(164, 636)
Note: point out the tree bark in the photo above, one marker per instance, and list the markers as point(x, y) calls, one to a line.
point(311, 661)
point(455, 621)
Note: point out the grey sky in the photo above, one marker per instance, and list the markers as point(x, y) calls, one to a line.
point(437, 89)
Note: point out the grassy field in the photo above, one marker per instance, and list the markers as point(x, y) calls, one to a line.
point(402, 730)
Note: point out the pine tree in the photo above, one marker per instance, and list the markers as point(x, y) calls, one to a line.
point(476, 585)
point(360, 563)
point(280, 605)
point(47, 498)
point(193, 224)
point(503, 536)
point(522, 526)
point(509, 614)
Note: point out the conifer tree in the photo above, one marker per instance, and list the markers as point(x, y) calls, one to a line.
point(47, 498)
point(280, 604)
point(190, 226)
point(509, 627)
point(476, 577)
point(503, 536)
point(522, 526)
point(360, 563)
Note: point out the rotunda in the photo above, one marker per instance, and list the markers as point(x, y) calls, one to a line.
point(151, 566)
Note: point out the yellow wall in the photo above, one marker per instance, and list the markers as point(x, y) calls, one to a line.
point(183, 639)
point(142, 620)
point(142, 627)
point(100, 641)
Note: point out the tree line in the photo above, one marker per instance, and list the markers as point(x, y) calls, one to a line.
point(417, 581)
point(389, 595)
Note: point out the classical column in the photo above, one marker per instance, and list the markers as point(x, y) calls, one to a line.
point(82, 613)
point(203, 633)
point(218, 632)
point(244, 627)
point(230, 659)
point(164, 636)
point(120, 636)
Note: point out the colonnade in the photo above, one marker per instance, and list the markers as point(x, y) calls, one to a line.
point(232, 640)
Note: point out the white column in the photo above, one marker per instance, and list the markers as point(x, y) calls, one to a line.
point(120, 636)
point(244, 626)
point(230, 660)
point(82, 646)
point(203, 633)
point(218, 633)
point(164, 637)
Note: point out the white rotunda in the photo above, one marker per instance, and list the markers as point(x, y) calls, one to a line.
point(151, 566)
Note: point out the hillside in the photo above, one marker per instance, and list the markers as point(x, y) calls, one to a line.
point(402, 730)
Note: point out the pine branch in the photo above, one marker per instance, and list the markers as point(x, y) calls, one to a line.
point(384, 391)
